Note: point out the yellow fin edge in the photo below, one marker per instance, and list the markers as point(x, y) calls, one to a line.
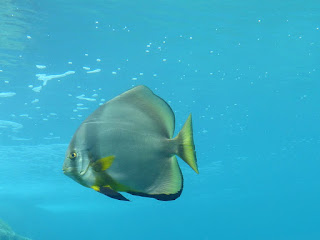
point(96, 188)
point(186, 149)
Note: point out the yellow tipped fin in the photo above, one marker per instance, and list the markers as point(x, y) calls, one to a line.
point(103, 164)
point(108, 191)
point(96, 188)
point(186, 149)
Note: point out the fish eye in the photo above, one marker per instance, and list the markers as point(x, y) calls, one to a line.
point(72, 155)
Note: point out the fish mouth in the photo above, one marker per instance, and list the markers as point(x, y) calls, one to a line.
point(67, 170)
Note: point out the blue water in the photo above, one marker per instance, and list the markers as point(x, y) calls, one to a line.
point(247, 70)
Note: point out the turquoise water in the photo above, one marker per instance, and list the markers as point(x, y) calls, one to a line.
point(247, 70)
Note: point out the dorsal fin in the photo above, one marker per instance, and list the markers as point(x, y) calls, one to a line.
point(139, 109)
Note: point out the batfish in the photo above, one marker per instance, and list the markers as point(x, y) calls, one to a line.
point(127, 145)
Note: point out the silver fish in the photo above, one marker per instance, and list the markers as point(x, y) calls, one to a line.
point(127, 145)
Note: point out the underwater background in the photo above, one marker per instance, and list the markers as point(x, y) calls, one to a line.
point(248, 71)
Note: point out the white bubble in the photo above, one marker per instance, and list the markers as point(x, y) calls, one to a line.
point(45, 78)
point(7, 94)
point(98, 60)
point(41, 66)
point(29, 37)
point(95, 71)
point(82, 108)
point(82, 97)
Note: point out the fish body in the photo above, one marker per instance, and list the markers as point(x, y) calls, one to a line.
point(127, 145)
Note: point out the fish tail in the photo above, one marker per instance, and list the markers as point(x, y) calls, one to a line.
point(186, 149)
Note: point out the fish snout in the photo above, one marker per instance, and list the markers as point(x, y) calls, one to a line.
point(66, 168)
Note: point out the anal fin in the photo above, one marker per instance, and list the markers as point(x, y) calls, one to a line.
point(168, 186)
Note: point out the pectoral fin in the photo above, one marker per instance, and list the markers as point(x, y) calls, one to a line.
point(109, 192)
point(102, 164)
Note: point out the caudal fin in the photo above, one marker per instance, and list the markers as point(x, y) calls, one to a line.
point(186, 149)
